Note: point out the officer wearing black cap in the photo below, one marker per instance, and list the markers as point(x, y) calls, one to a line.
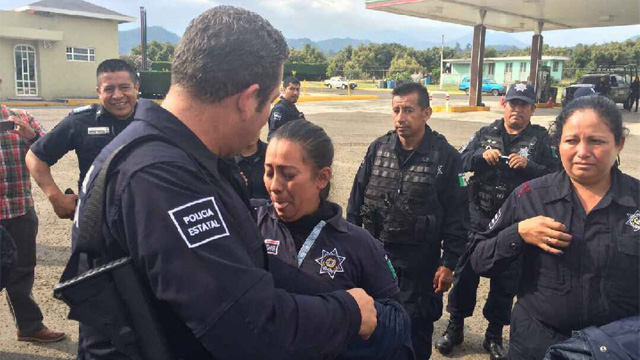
point(285, 110)
point(86, 130)
point(174, 206)
point(410, 194)
point(576, 233)
point(501, 156)
point(584, 91)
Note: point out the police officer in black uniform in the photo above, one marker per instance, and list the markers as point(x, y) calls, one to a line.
point(577, 232)
point(86, 130)
point(251, 164)
point(502, 156)
point(285, 110)
point(172, 205)
point(409, 194)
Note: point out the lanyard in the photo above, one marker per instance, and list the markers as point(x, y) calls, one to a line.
point(308, 243)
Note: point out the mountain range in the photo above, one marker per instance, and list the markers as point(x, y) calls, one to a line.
point(130, 38)
point(497, 40)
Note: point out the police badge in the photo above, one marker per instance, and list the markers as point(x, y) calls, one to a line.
point(634, 221)
point(330, 263)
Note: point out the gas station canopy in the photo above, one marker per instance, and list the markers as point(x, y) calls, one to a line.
point(518, 15)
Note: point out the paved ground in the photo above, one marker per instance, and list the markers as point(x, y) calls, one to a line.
point(352, 126)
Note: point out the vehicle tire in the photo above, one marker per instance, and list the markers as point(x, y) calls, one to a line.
point(495, 92)
point(330, 86)
point(466, 91)
point(344, 87)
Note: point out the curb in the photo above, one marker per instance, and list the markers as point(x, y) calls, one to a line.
point(459, 109)
point(336, 97)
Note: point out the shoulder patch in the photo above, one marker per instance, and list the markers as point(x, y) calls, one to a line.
point(277, 115)
point(199, 222)
point(272, 246)
point(82, 109)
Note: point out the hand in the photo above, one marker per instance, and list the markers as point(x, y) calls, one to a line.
point(23, 129)
point(64, 205)
point(367, 311)
point(517, 162)
point(545, 233)
point(442, 280)
point(491, 156)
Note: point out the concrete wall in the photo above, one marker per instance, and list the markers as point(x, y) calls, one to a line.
point(57, 77)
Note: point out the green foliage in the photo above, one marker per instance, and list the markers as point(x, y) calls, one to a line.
point(401, 76)
point(378, 61)
point(305, 71)
point(156, 51)
point(135, 61)
point(308, 54)
point(161, 66)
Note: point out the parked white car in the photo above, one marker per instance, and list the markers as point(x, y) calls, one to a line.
point(339, 82)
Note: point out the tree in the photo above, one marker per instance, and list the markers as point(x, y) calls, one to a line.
point(490, 52)
point(156, 51)
point(404, 63)
point(338, 62)
point(309, 54)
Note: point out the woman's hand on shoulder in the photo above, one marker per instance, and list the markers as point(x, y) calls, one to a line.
point(545, 233)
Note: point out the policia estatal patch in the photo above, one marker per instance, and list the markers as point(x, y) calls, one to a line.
point(199, 222)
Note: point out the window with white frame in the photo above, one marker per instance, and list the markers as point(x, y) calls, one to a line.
point(81, 54)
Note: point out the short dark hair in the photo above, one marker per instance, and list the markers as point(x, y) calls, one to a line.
point(115, 65)
point(316, 145)
point(224, 51)
point(601, 105)
point(413, 87)
point(290, 80)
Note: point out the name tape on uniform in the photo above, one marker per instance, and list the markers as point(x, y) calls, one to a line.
point(199, 222)
point(98, 130)
point(272, 246)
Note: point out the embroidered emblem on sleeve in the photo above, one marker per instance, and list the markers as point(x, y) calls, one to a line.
point(330, 263)
point(199, 222)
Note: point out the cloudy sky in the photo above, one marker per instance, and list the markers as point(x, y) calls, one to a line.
point(324, 19)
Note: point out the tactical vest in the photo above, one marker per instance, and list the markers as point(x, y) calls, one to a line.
point(490, 188)
point(399, 203)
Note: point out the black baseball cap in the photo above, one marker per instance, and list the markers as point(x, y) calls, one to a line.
point(584, 91)
point(521, 91)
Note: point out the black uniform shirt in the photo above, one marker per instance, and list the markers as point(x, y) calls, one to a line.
point(343, 254)
point(540, 160)
point(451, 208)
point(86, 130)
point(253, 169)
point(597, 279)
point(282, 113)
point(174, 211)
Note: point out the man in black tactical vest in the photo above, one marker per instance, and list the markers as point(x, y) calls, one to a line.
point(502, 156)
point(408, 193)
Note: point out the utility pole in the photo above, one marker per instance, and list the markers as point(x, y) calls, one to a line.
point(441, 61)
point(143, 38)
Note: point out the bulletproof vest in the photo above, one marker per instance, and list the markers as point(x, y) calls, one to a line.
point(397, 198)
point(490, 188)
